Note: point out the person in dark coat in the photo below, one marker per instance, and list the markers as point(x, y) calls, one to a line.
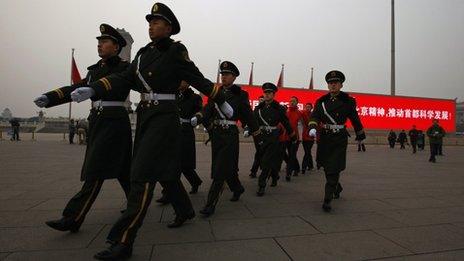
point(72, 131)
point(156, 72)
point(413, 136)
point(109, 147)
point(402, 139)
point(435, 134)
point(420, 140)
point(331, 113)
point(15, 127)
point(268, 114)
point(392, 139)
point(295, 116)
point(224, 134)
point(190, 103)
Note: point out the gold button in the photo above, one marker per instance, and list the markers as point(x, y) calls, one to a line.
point(151, 46)
point(149, 74)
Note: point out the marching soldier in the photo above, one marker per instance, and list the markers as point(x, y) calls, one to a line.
point(332, 111)
point(256, 160)
point(156, 73)
point(391, 139)
point(435, 134)
point(108, 152)
point(224, 136)
point(269, 114)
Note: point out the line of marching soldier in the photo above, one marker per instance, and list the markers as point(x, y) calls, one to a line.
point(162, 72)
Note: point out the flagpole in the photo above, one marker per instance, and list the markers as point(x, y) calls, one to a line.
point(311, 83)
point(218, 71)
point(250, 82)
point(393, 73)
point(71, 82)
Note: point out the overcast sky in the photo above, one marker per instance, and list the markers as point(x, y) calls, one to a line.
point(349, 35)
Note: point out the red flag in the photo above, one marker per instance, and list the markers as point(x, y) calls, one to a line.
point(250, 81)
point(280, 82)
point(75, 75)
point(311, 84)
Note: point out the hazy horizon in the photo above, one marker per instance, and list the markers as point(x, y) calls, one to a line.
point(349, 35)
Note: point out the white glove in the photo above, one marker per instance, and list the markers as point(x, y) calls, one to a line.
point(227, 109)
point(41, 101)
point(246, 133)
point(82, 94)
point(312, 133)
point(194, 121)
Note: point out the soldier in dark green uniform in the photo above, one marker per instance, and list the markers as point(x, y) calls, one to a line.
point(190, 104)
point(224, 136)
point(156, 73)
point(108, 151)
point(332, 111)
point(268, 115)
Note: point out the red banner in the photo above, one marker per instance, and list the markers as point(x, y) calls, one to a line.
point(379, 112)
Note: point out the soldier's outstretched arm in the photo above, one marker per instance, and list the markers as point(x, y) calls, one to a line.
point(246, 116)
point(190, 73)
point(285, 122)
point(58, 96)
point(116, 82)
point(316, 116)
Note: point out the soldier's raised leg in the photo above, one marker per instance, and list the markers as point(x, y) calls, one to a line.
point(180, 201)
point(331, 184)
point(214, 193)
point(77, 207)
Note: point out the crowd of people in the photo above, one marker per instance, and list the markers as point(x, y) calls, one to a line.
point(434, 133)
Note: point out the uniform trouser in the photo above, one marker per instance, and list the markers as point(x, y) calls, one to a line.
point(414, 146)
point(125, 229)
point(265, 174)
point(307, 162)
point(79, 205)
point(71, 137)
point(332, 184)
point(440, 149)
point(434, 149)
point(192, 176)
point(217, 187)
point(256, 160)
point(402, 145)
point(292, 164)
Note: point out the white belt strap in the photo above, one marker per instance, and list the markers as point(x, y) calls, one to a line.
point(219, 111)
point(100, 103)
point(158, 96)
point(261, 117)
point(145, 84)
point(225, 122)
point(268, 128)
point(328, 115)
point(333, 126)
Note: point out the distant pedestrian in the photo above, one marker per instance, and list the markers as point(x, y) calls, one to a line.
point(72, 131)
point(392, 139)
point(15, 128)
point(402, 139)
point(435, 134)
point(413, 136)
point(420, 140)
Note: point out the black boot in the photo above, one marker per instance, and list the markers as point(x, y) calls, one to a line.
point(338, 191)
point(237, 194)
point(260, 191)
point(208, 210)
point(274, 182)
point(195, 188)
point(116, 251)
point(288, 177)
point(326, 206)
point(180, 220)
point(295, 173)
point(163, 200)
point(363, 147)
point(64, 224)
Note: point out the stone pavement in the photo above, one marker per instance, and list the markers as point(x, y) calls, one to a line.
point(396, 206)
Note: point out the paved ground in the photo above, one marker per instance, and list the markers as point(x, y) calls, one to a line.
point(395, 206)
